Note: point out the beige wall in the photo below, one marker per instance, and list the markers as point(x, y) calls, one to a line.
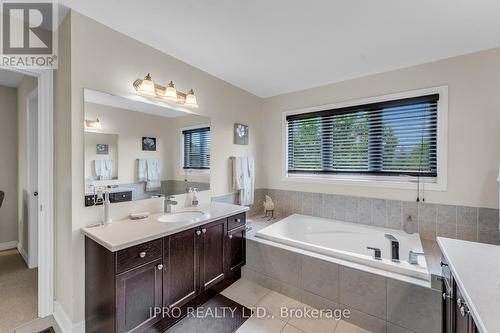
point(8, 164)
point(105, 60)
point(473, 133)
point(62, 172)
point(27, 85)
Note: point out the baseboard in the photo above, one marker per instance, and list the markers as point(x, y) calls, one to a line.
point(65, 323)
point(8, 245)
point(23, 253)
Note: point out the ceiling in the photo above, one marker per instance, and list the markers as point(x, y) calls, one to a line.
point(10, 78)
point(271, 47)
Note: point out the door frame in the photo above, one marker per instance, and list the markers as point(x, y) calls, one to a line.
point(32, 229)
point(45, 187)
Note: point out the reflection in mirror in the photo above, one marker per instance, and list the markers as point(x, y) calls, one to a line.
point(140, 150)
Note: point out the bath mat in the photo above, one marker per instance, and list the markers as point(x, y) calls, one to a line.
point(212, 319)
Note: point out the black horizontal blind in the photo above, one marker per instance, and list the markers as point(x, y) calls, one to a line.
point(197, 148)
point(396, 137)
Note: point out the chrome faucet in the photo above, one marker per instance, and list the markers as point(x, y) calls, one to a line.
point(167, 204)
point(394, 247)
point(377, 254)
point(413, 257)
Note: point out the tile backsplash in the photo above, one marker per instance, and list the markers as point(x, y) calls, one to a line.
point(429, 220)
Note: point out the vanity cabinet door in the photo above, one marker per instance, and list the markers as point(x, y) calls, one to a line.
point(212, 253)
point(181, 282)
point(137, 291)
point(236, 249)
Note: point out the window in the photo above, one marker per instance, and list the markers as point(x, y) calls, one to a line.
point(196, 148)
point(394, 138)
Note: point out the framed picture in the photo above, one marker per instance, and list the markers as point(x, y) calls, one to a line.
point(148, 143)
point(102, 149)
point(240, 134)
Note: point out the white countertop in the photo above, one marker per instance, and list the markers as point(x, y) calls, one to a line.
point(126, 233)
point(476, 269)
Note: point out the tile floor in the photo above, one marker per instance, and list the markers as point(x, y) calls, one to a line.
point(250, 294)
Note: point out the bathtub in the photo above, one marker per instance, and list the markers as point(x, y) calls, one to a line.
point(348, 241)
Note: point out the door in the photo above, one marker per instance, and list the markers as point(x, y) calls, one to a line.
point(236, 249)
point(31, 227)
point(212, 263)
point(182, 260)
point(137, 292)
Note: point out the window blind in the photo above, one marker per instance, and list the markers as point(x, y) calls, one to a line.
point(397, 137)
point(197, 148)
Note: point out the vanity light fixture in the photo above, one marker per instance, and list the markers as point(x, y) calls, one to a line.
point(191, 99)
point(171, 92)
point(93, 124)
point(146, 87)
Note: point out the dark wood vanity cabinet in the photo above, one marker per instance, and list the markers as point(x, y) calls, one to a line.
point(138, 290)
point(212, 263)
point(178, 270)
point(456, 314)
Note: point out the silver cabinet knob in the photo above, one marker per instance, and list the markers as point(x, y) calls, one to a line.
point(142, 254)
point(445, 296)
point(160, 267)
point(198, 232)
point(462, 311)
point(230, 236)
point(238, 220)
point(204, 230)
point(459, 302)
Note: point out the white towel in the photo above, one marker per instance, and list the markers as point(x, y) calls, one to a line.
point(244, 178)
point(153, 179)
point(103, 169)
point(141, 170)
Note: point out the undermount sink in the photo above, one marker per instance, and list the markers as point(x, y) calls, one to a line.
point(180, 216)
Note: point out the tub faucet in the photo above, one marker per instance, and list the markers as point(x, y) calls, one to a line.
point(377, 255)
point(394, 247)
point(167, 205)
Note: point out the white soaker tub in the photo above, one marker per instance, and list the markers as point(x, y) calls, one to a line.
point(348, 241)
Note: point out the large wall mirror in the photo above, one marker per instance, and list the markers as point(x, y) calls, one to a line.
point(138, 150)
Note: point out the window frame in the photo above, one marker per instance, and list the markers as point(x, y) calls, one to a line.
point(439, 183)
point(181, 164)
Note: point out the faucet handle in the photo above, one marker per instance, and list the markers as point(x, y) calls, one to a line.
point(391, 237)
point(377, 254)
point(413, 257)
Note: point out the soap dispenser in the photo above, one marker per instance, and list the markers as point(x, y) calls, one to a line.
point(106, 205)
point(194, 199)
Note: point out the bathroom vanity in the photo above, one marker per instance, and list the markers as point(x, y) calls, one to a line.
point(131, 267)
point(472, 286)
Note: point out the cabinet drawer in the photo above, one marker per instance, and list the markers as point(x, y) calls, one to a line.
point(138, 255)
point(236, 221)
